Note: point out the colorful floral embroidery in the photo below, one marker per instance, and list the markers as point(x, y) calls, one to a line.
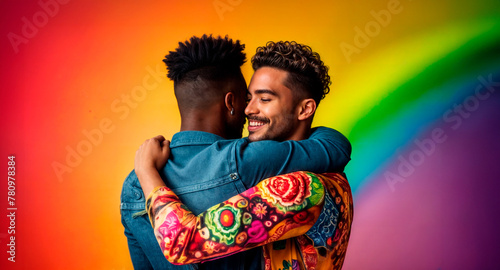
point(260, 210)
point(324, 246)
point(324, 228)
point(224, 224)
point(294, 265)
point(288, 192)
point(277, 208)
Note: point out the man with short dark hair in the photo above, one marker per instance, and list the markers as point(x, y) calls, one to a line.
point(205, 168)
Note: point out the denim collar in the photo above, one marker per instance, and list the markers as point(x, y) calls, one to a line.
point(192, 137)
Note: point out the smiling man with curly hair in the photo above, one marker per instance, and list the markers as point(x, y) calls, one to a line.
point(289, 82)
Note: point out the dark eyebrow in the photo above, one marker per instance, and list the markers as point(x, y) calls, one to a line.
point(265, 91)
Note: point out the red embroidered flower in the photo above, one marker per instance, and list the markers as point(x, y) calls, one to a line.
point(226, 218)
point(289, 189)
point(302, 217)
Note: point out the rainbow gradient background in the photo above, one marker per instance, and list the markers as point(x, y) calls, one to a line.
point(416, 92)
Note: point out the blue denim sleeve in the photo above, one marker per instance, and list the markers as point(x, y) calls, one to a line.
point(143, 246)
point(326, 150)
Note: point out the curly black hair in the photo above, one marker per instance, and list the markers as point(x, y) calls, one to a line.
point(208, 57)
point(306, 68)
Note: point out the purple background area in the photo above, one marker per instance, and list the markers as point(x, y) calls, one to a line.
point(445, 215)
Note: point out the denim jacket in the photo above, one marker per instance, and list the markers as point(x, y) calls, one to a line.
point(205, 169)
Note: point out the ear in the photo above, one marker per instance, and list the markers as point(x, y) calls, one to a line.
point(229, 100)
point(307, 108)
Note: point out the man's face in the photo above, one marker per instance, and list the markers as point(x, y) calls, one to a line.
point(271, 107)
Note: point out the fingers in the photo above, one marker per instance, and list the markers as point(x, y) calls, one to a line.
point(165, 149)
point(165, 143)
point(153, 140)
point(156, 144)
point(159, 138)
point(152, 154)
point(153, 145)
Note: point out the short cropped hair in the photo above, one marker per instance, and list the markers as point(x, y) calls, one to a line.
point(200, 67)
point(306, 70)
point(207, 57)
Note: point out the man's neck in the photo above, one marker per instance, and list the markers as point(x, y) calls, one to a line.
point(302, 132)
point(207, 121)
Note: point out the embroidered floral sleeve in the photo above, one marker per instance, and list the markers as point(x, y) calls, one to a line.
point(277, 208)
point(324, 246)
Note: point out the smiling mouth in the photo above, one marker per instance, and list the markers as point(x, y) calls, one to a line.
point(254, 125)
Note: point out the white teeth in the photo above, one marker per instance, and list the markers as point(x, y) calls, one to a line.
point(255, 124)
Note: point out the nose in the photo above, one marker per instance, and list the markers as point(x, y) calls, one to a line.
point(251, 108)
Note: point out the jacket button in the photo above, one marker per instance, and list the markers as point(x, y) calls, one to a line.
point(233, 176)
